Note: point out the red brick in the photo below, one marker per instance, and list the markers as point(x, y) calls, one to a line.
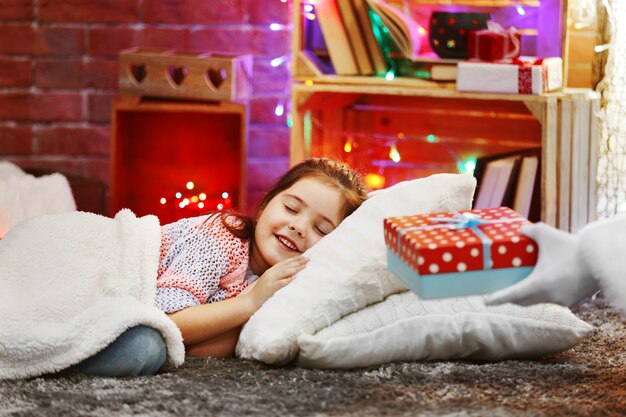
point(27, 40)
point(110, 41)
point(103, 73)
point(72, 141)
point(195, 11)
point(164, 38)
point(41, 107)
point(16, 10)
point(270, 42)
point(231, 40)
point(262, 110)
point(98, 169)
point(99, 105)
point(76, 74)
point(262, 172)
point(111, 11)
point(268, 79)
point(15, 140)
point(60, 74)
point(266, 12)
point(268, 141)
point(15, 73)
point(65, 166)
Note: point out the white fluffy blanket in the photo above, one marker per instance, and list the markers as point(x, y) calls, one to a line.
point(71, 283)
point(23, 196)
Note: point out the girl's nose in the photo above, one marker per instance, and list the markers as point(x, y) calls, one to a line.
point(296, 228)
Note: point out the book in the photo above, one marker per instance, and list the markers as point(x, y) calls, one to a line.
point(527, 186)
point(511, 179)
point(355, 36)
point(373, 46)
point(402, 28)
point(497, 183)
point(314, 46)
point(336, 37)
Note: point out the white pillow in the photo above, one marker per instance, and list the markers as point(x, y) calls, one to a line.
point(347, 270)
point(407, 328)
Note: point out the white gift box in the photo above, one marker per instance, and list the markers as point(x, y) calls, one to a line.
point(525, 76)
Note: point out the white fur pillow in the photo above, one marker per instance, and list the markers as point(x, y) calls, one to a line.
point(23, 196)
point(347, 269)
point(406, 328)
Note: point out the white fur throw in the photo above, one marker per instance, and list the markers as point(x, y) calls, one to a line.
point(603, 248)
point(347, 270)
point(71, 283)
point(23, 196)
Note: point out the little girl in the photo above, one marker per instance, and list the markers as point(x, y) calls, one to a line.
point(216, 271)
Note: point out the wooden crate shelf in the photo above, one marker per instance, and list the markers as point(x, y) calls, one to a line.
point(471, 124)
point(157, 146)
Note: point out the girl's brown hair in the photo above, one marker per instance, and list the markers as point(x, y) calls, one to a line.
point(327, 171)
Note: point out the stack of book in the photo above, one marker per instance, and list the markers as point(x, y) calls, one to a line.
point(357, 45)
point(510, 180)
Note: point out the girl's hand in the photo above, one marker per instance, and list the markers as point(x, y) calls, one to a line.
point(275, 278)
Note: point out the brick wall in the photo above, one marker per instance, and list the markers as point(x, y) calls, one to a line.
point(59, 71)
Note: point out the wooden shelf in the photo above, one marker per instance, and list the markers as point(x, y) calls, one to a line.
point(327, 110)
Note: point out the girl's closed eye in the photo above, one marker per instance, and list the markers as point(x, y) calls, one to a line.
point(322, 230)
point(290, 209)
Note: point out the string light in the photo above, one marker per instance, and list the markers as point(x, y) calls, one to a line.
point(394, 155)
point(280, 109)
point(279, 60)
point(347, 147)
point(192, 201)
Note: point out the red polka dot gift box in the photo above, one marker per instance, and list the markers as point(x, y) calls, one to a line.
point(460, 253)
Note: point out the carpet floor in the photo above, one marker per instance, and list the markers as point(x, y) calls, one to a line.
point(589, 380)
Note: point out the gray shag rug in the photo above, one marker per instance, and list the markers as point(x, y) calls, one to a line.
point(589, 380)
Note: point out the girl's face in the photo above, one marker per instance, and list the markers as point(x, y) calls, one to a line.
point(293, 221)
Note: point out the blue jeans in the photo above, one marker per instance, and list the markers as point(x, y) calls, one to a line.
point(140, 350)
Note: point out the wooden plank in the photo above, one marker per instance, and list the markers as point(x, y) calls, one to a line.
point(565, 162)
point(594, 143)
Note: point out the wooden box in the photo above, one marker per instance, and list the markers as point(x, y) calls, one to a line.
point(395, 133)
point(158, 147)
point(191, 75)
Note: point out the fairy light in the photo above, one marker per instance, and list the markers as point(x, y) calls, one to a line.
point(470, 165)
point(279, 60)
point(163, 200)
point(224, 195)
point(347, 147)
point(279, 110)
point(374, 181)
point(394, 155)
point(179, 195)
point(190, 185)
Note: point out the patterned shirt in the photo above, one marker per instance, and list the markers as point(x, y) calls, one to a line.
point(201, 262)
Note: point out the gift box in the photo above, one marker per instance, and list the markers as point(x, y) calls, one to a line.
point(520, 76)
point(462, 253)
point(494, 43)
